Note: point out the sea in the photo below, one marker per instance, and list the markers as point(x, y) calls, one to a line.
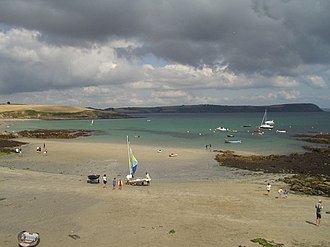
point(197, 130)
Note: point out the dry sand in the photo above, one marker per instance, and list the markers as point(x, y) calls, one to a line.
point(49, 194)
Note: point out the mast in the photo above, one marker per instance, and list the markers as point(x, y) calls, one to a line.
point(264, 117)
point(128, 155)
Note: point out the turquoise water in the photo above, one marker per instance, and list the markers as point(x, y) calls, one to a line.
point(196, 130)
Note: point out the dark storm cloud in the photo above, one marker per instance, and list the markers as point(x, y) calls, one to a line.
point(270, 37)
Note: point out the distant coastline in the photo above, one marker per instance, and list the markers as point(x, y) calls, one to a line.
point(48, 112)
point(302, 107)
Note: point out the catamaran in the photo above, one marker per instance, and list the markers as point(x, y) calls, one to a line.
point(132, 165)
point(266, 124)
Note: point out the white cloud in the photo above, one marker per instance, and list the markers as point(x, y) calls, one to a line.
point(284, 82)
point(317, 81)
point(169, 94)
point(95, 75)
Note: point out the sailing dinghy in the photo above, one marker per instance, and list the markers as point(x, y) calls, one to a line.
point(132, 164)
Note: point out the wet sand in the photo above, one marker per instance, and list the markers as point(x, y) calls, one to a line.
point(49, 194)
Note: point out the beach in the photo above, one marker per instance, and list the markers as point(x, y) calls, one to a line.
point(50, 195)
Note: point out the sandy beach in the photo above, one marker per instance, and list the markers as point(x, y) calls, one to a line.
point(49, 195)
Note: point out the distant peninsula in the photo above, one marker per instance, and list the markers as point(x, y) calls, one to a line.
point(303, 107)
point(49, 112)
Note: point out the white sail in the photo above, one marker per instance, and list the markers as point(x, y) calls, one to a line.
point(266, 124)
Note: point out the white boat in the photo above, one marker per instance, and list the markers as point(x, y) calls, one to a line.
point(92, 123)
point(281, 131)
point(271, 122)
point(265, 124)
point(222, 129)
point(233, 141)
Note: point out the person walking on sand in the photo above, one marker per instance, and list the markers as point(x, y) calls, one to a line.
point(280, 193)
point(114, 182)
point(120, 184)
point(319, 208)
point(148, 177)
point(105, 180)
point(268, 187)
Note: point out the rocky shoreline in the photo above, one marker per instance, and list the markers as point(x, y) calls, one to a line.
point(8, 145)
point(310, 170)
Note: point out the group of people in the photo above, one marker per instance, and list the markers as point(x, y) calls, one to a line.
point(19, 150)
point(208, 146)
point(284, 194)
point(281, 193)
point(45, 152)
point(114, 182)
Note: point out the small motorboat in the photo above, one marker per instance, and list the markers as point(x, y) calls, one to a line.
point(259, 132)
point(222, 129)
point(26, 239)
point(232, 141)
point(93, 179)
point(281, 131)
point(173, 155)
point(230, 135)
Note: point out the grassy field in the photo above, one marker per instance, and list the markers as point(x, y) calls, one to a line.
point(42, 108)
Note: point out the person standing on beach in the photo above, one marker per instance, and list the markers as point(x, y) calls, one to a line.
point(114, 182)
point(105, 180)
point(319, 208)
point(268, 187)
point(120, 184)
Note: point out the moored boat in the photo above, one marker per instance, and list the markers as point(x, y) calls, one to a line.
point(222, 129)
point(266, 124)
point(233, 141)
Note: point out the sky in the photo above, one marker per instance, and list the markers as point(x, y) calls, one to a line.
point(119, 53)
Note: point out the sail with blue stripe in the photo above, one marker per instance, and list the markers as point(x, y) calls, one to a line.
point(132, 161)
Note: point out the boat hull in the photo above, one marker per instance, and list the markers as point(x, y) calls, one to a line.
point(233, 141)
point(266, 126)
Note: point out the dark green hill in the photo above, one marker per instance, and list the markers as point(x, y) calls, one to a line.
point(306, 107)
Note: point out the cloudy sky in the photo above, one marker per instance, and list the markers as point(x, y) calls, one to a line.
point(115, 53)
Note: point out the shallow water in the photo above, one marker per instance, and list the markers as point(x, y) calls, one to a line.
point(170, 131)
point(196, 130)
